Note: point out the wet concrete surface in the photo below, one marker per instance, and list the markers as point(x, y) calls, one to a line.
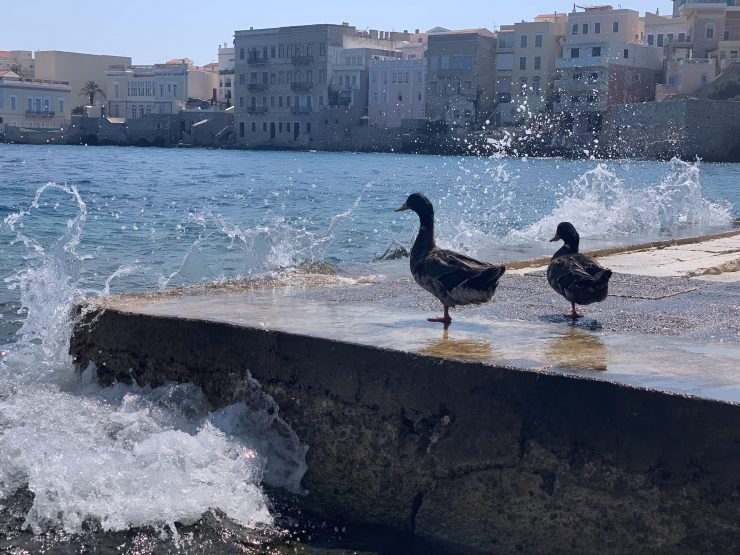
point(672, 334)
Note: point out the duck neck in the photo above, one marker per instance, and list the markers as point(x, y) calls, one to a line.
point(571, 247)
point(425, 238)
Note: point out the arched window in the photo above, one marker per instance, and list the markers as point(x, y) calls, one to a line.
point(523, 86)
point(536, 90)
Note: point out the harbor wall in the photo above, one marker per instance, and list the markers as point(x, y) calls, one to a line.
point(477, 458)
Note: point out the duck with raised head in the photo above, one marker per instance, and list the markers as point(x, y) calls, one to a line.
point(453, 278)
point(577, 277)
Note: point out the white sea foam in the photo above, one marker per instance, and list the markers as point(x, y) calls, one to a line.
point(601, 205)
point(123, 455)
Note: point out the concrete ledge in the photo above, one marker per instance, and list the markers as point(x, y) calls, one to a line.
point(477, 456)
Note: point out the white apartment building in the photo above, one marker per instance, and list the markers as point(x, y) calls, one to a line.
point(136, 91)
point(397, 91)
point(225, 74)
point(33, 103)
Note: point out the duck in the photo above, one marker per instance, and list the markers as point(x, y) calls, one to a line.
point(575, 276)
point(455, 279)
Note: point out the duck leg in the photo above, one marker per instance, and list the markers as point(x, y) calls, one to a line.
point(574, 314)
point(446, 320)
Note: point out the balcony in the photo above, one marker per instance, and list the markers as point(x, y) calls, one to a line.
point(301, 109)
point(256, 61)
point(303, 86)
point(585, 62)
point(256, 110)
point(40, 114)
point(257, 87)
point(301, 60)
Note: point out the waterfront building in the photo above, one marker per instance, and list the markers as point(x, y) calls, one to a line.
point(605, 63)
point(461, 72)
point(21, 61)
point(714, 25)
point(76, 69)
point(525, 67)
point(397, 91)
point(33, 103)
point(225, 92)
point(135, 91)
point(504, 107)
point(297, 85)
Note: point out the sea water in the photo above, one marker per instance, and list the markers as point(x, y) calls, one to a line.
point(81, 222)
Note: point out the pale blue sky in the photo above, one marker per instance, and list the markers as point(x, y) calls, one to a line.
point(154, 30)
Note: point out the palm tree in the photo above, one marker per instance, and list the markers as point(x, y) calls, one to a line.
point(90, 89)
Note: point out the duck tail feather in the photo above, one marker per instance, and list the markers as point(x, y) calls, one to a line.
point(603, 276)
point(488, 278)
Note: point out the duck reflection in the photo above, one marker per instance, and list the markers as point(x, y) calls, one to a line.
point(578, 349)
point(470, 349)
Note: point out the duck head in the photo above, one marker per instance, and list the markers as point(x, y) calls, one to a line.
point(567, 233)
point(419, 204)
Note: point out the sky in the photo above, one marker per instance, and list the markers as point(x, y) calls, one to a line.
point(152, 31)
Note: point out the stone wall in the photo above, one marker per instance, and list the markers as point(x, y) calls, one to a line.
point(689, 129)
point(478, 458)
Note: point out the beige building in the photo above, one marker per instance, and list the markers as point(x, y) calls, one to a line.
point(33, 103)
point(226, 75)
point(538, 45)
point(76, 69)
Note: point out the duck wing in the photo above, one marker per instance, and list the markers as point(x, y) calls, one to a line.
point(457, 279)
point(579, 278)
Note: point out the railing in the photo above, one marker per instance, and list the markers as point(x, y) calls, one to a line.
point(303, 86)
point(301, 60)
point(257, 86)
point(256, 61)
point(302, 109)
point(257, 109)
point(40, 113)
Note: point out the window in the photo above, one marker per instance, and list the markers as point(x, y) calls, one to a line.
point(273, 78)
point(61, 105)
point(523, 62)
point(727, 35)
point(321, 100)
point(322, 49)
point(14, 104)
point(637, 78)
point(272, 102)
point(272, 52)
point(593, 77)
point(281, 51)
point(241, 102)
point(577, 76)
point(615, 27)
point(575, 30)
point(280, 127)
point(660, 39)
point(669, 37)
point(254, 127)
point(575, 53)
point(287, 127)
point(308, 128)
point(651, 40)
point(242, 78)
point(445, 62)
point(536, 91)
point(585, 28)
point(626, 53)
point(523, 41)
point(280, 101)
point(523, 86)
point(682, 37)
point(537, 62)
point(241, 53)
point(241, 128)
point(597, 28)
point(596, 52)
point(538, 40)
point(710, 30)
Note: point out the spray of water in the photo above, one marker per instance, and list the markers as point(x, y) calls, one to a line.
point(123, 456)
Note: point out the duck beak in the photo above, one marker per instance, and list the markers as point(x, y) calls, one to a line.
point(556, 238)
point(401, 208)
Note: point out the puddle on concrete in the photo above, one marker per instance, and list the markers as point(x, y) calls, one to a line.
point(665, 363)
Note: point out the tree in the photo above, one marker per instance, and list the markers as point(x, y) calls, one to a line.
point(90, 89)
point(17, 69)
